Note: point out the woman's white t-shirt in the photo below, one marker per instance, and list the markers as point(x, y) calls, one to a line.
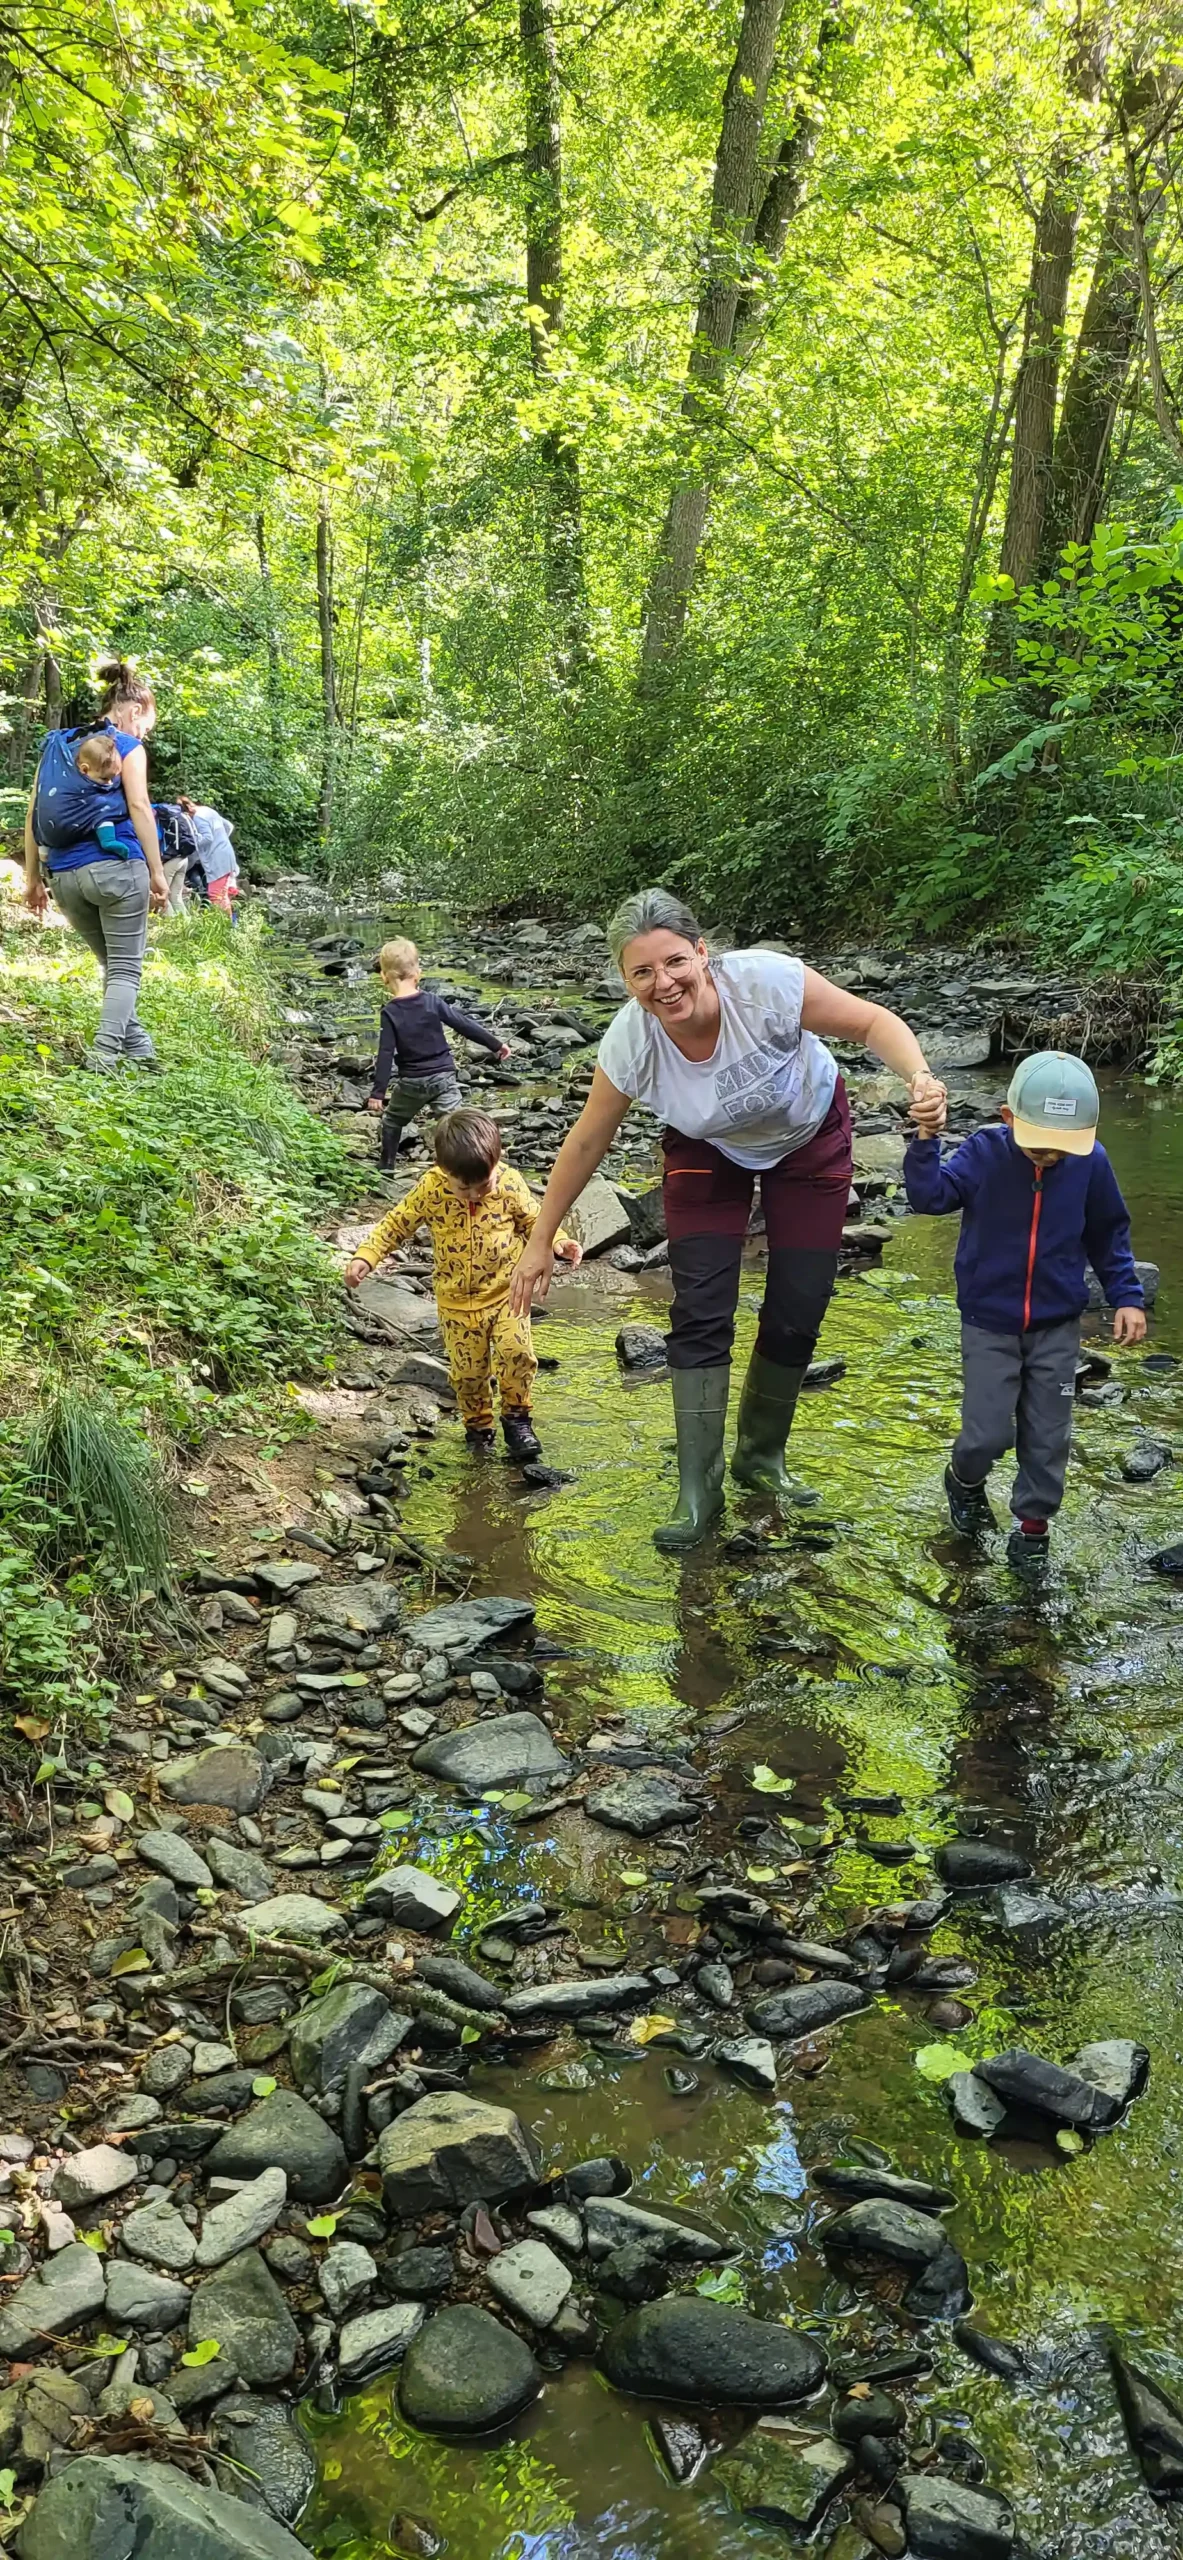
point(767, 1084)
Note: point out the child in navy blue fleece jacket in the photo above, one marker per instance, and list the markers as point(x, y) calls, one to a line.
point(1038, 1198)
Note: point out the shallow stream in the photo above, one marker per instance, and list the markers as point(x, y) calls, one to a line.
point(873, 1658)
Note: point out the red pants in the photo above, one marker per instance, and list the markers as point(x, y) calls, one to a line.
point(708, 1203)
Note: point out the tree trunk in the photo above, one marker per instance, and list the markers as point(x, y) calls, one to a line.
point(730, 308)
point(274, 652)
point(1039, 374)
point(330, 710)
point(1095, 383)
point(565, 590)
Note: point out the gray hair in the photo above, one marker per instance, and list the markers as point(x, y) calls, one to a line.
point(651, 911)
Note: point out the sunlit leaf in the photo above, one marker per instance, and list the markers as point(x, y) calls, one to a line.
point(322, 2226)
point(1068, 2139)
point(264, 2087)
point(766, 1782)
point(118, 1802)
point(940, 2061)
point(203, 2353)
point(136, 1960)
point(643, 2030)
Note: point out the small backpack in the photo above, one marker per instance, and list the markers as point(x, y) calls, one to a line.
point(176, 830)
point(67, 805)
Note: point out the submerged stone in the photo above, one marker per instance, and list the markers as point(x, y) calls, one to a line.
point(466, 2373)
point(801, 2011)
point(971, 1865)
point(688, 2348)
point(641, 1805)
point(1154, 2425)
point(787, 2484)
point(949, 2522)
point(882, 2228)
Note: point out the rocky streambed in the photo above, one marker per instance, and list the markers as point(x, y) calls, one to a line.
point(515, 2045)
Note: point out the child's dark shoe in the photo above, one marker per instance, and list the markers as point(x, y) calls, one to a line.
point(521, 1439)
point(1028, 1551)
point(480, 1439)
point(969, 1509)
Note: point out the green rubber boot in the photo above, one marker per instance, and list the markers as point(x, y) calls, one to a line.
point(766, 1410)
point(700, 1417)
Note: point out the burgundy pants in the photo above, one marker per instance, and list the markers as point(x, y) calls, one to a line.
point(708, 1203)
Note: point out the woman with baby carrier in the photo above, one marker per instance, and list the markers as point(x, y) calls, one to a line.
point(90, 819)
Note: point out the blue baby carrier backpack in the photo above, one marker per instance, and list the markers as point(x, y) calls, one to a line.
point(68, 807)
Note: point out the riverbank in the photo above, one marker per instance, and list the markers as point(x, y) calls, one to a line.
point(709, 1799)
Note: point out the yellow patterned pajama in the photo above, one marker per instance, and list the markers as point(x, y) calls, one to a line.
point(484, 1346)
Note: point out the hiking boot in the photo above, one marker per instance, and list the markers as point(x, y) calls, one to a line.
point(700, 1417)
point(480, 1436)
point(521, 1438)
point(969, 1509)
point(766, 1410)
point(1028, 1551)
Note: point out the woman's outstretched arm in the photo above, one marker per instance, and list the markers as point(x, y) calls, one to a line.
point(584, 1147)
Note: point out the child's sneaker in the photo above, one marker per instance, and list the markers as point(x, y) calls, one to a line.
point(521, 1439)
point(969, 1510)
point(480, 1438)
point(1028, 1550)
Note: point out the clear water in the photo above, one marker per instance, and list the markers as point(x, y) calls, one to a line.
point(894, 1681)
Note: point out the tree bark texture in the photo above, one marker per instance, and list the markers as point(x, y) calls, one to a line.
point(557, 454)
point(271, 630)
point(330, 709)
point(1039, 375)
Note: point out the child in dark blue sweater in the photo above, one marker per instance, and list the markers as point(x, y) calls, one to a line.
point(1038, 1198)
point(413, 1051)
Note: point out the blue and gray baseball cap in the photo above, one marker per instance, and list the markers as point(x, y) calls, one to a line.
point(1056, 1104)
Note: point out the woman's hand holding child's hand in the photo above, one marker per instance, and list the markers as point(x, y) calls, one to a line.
point(503, 1053)
point(570, 1252)
point(355, 1272)
point(375, 1102)
point(1129, 1325)
point(929, 1104)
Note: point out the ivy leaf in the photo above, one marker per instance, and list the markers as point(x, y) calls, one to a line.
point(7, 2486)
point(322, 2226)
point(517, 1802)
point(761, 1875)
point(264, 2087)
point(108, 2346)
point(46, 1770)
point(203, 2353)
point(940, 2061)
point(766, 1782)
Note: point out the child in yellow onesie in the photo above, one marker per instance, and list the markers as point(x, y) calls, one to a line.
point(479, 1212)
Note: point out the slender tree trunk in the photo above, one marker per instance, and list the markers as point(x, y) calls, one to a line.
point(330, 709)
point(746, 216)
point(1100, 364)
point(274, 652)
point(565, 589)
point(1039, 374)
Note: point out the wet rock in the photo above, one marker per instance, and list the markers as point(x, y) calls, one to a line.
point(161, 2236)
point(641, 1805)
point(353, 2022)
point(1034, 1913)
point(949, 2522)
point(242, 2218)
point(283, 2132)
point(1146, 1459)
point(346, 2272)
point(89, 2177)
point(412, 1898)
point(682, 2445)
point(687, 2348)
point(716, 1982)
point(971, 1865)
point(975, 2107)
point(877, 2415)
point(1118, 2067)
point(419, 2275)
point(275, 2466)
point(243, 1870)
point(175, 1858)
point(464, 1627)
point(1154, 2425)
point(941, 2290)
point(859, 2183)
point(612, 2224)
point(788, 2483)
point(459, 1981)
point(1027, 2080)
point(293, 1915)
point(375, 2340)
point(995, 2355)
point(466, 2373)
point(495, 1753)
point(67, 2289)
point(881, 2228)
point(230, 1774)
point(108, 2505)
point(802, 2011)
point(529, 2279)
point(1169, 1560)
point(597, 1218)
point(242, 2307)
point(577, 1999)
point(642, 1346)
point(448, 2150)
point(637, 2271)
point(602, 2177)
point(139, 2298)
point(752, 2060)
point(883, 2526)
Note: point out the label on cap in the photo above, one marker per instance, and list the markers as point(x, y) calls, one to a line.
point(1055, 1109)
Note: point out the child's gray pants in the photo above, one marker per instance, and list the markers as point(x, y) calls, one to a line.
point(1018, 1388)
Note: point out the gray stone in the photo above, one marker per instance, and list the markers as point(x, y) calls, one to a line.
point(1118, 2067)
point(243, 1870)
point(975, 2107)
point(577, 1999)
point(130, 2115)
point(752, 2060)
point(803, 2009)
point(463, 1627)
point(361, 1608)
point(109, 2506)
point(161, 2236)
point(688, 2349)
point(283, 2132)
point(290, 2259)
point(495, 1753)
point(447, 2150)
point(446, 1973)
point(230, 1774)
point(466, 2373)
point(138, 2298)
point(412, 1898)
point(89, 2177)
point(642, 1346)
point(242, 2218)
point(598, 1219)
point(1027, 2080)
point(282, 1632)
point(55, 2298)
point(167, 2068)
point(242, 2307)
point(529, 2279)
point(881, 2228)
point(377, 2339)
point(790, 2483)
point(353, 2022)
point(949, 2522)
point(612, 2224)
point(209, 2057)
point(560, 2223)
point(418, 2275)
point(284, 1574)
point(346, 2272)
point(174, 1857)
point(970, 1865)
point(1035, 1913)
point(1146, 1460)
point(271, 2464)
point(641, 1805)
point(293, 1915)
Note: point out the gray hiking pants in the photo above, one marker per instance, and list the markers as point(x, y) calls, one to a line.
point(1019, 1387)
point(107, 904)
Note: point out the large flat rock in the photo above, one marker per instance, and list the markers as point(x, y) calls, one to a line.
point(66, 2290)
point(448, 2150)
point(367, 1608)
point(495, 1753)
point(463, 1626)
point(108, 2506)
